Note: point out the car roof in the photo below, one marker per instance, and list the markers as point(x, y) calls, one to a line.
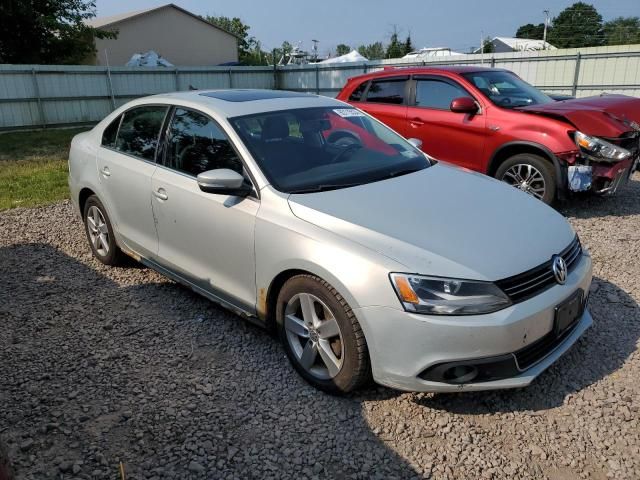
point(456, 69)
point(238, 102)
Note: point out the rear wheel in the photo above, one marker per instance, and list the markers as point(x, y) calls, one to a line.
point(530, 173)
point(100, 233)
point(321, 335)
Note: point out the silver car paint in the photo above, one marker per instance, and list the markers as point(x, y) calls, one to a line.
point(341, 237)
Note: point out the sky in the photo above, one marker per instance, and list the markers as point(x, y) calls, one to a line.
point(457, 24)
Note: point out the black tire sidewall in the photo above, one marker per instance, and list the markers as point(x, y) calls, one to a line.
point(114, 257)
point(349, 377)
point(544, 166)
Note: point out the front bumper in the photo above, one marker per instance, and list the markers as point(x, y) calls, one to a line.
point(403, 346)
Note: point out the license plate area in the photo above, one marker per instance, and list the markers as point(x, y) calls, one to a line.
point(568, 312)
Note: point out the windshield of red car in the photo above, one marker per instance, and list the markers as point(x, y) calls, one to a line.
point(324, 148)
point(506, 89)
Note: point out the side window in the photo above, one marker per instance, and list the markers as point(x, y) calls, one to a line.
point(140, 130)
point(386, 91)
point(437, 94)
point(197, 144)
point(109, 133)
point(356, 95)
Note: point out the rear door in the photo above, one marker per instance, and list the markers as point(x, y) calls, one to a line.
point(386, 99)
point(126, 162)
point(454, 137)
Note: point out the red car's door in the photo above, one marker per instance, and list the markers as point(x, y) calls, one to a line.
point(386, 99)
point(453, 137)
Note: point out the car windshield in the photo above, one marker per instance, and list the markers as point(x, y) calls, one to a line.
point(506, 89)
point(324, 148)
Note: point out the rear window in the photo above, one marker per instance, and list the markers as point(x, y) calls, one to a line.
point(140, 130)
point(109, 134)
point(356, 95)
point(387, 91)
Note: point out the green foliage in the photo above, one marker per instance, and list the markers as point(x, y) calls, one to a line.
point(579, 25)
point(47, 32)
point(249, 49)
point(534, 32)
point(488, 46)
point(373, 51)
point(408, 45)
point(342, 49)
point(395, 49)
point(622, 31)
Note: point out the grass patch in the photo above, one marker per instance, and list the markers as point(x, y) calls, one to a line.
point(33, 167)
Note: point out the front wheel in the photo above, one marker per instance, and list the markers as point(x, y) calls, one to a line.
point(321, 335)
point(530, 173)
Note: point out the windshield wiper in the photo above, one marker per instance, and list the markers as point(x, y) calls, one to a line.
point(404, 171)
point(326, 187)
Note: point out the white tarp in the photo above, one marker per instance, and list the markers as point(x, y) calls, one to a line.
point(148, 59)
point(352, 56)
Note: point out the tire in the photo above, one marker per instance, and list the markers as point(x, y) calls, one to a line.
point(530, 173)
point(340, 363)
point(99, 232)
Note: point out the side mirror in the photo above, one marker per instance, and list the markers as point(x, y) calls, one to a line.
point(464, 105)
point(416, 142)
point(223, 181)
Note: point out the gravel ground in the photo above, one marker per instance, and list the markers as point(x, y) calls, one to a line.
point(100, 366)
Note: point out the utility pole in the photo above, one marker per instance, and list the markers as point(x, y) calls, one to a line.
point(546, 25)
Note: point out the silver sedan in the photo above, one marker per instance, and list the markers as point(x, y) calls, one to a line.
point(306, 215)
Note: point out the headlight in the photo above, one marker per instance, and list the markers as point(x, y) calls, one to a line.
point(447, 296)
point(599, 149)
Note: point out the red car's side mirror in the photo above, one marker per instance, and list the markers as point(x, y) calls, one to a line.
point(464, 105)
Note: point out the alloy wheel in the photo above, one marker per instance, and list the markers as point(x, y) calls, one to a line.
point(314, 336)
point(98, 231)
point(527, 178)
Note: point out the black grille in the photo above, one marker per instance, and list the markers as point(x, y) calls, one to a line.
point(532, 282)
point(535, 352)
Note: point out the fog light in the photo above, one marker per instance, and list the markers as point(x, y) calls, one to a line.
point(461, 374)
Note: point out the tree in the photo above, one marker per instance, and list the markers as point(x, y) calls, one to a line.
point(342, 49)
point(534, 32)
point(408, 45)
point(579, 25)
point(249, 49)
point(487, 46)
point(51, 31)
point(395, 49)
point(622, 31)
point(373, 51)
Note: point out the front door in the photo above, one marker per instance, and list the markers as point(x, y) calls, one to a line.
point(126, 162)
point(453, 137)
point(206, 238)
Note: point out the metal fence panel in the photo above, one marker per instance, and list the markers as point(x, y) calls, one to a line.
point(43, 95)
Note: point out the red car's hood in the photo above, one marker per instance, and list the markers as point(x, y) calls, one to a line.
point(605, 116)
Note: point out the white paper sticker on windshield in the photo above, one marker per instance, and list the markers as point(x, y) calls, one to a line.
point(349, 112)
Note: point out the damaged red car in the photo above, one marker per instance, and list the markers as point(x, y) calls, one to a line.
point(492, 121)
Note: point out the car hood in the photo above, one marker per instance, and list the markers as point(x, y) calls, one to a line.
point(442, 221)
point(604, 116)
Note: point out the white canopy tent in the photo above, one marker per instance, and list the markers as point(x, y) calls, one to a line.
point(352, 56)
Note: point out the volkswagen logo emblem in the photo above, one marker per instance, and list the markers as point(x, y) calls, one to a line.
point(559, 268)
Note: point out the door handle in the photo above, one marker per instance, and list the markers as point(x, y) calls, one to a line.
point(161, 194)
point(106, 172)
point(416, 122)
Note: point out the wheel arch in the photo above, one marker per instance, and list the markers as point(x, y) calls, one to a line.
point(510, 149)
point(267, 298)
point(84, 194)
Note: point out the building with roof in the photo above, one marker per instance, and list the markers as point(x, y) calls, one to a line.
point(176, 34)
point(511, 44)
